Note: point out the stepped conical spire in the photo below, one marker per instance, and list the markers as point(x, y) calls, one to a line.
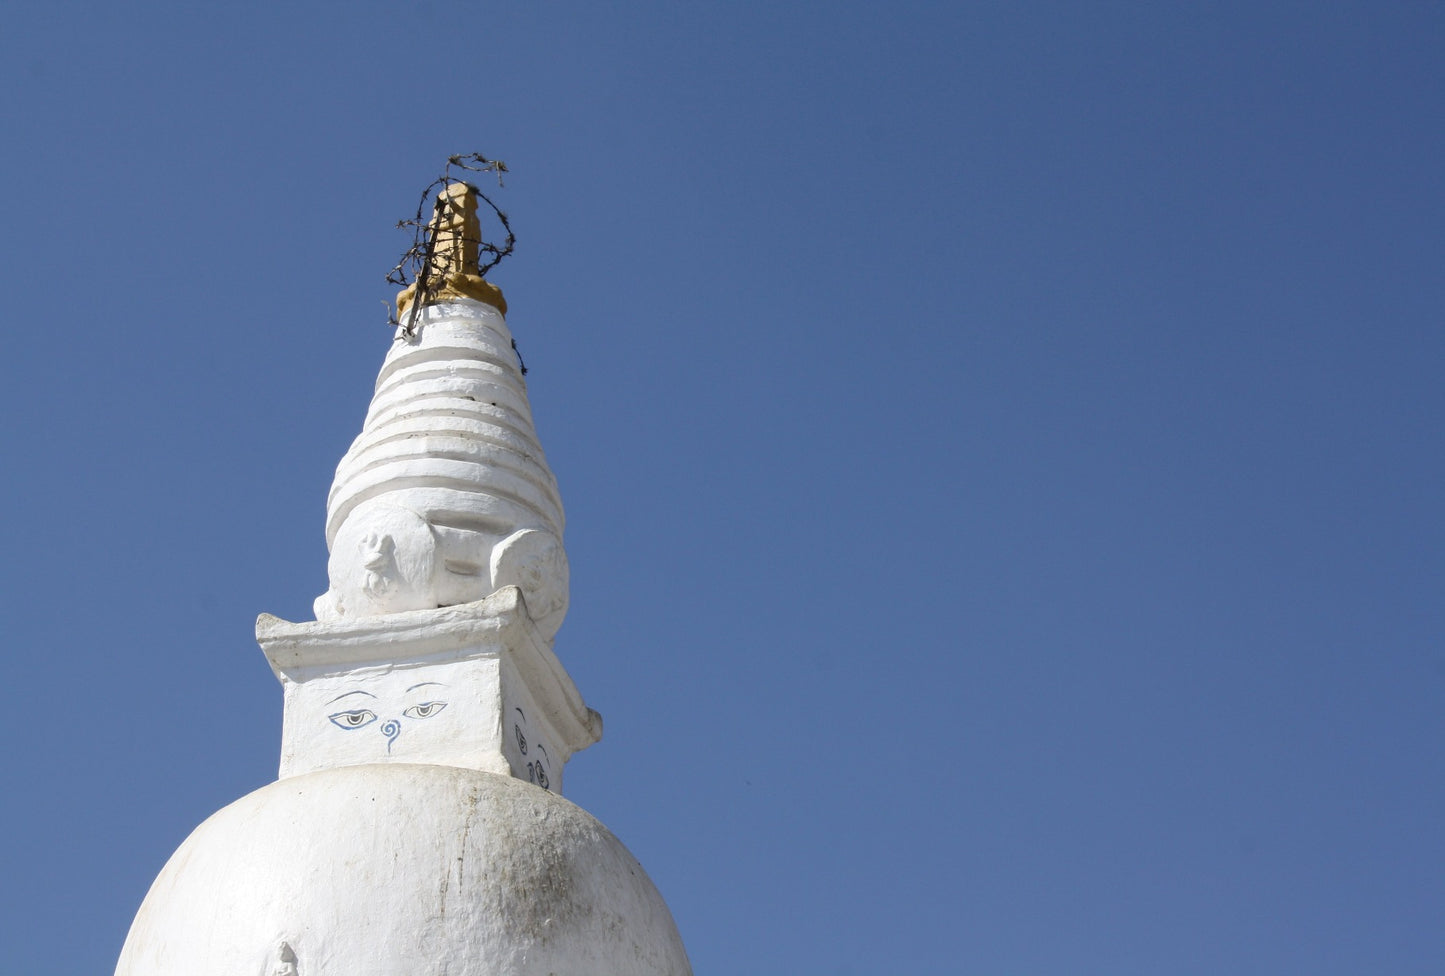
point(446, 496)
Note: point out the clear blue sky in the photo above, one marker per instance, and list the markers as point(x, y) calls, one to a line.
point(1001, 446)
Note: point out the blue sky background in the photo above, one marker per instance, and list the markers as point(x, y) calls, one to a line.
point(1001, 446)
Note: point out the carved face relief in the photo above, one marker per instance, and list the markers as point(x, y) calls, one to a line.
point(378, 562)
point(285, 962)
point(382, 561)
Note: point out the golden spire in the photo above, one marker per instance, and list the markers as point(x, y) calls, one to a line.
point(453, 235)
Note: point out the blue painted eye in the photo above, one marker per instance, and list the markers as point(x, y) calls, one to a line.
point(424, 710)
point(353, 719)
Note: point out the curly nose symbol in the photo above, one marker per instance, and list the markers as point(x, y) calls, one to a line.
point(391, 728)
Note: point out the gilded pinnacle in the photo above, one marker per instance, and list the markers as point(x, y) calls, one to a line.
point(453, 233)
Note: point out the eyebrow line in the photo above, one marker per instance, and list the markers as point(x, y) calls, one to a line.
point(424, 684)
point(349, 694)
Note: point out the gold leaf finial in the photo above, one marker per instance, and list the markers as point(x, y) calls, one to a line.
point(450, 270)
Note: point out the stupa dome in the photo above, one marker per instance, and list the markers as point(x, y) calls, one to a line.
point(402, 870)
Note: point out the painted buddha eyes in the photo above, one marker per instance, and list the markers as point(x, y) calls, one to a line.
point(359, 718)
point(424, 710)
point(354, 718)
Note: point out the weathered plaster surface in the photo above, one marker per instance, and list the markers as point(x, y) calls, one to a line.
point(403, 870)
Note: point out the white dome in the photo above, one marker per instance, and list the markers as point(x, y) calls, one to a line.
point(402, 870)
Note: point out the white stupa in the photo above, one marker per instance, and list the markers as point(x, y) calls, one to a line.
point(417, 827)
